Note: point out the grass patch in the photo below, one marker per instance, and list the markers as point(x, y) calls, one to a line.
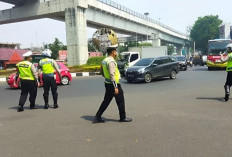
point(85, 68)
point(7, 73)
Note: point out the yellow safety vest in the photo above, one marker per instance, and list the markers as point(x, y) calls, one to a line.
point(25, 72)
point(105, 67)
point(47, 66)
point(229, 63)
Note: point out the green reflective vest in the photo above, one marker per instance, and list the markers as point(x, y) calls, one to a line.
point(105, 65)
point(25, 72)
point(229, 63)
point(47, 66)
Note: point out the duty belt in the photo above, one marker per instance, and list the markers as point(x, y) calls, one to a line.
point(49, 75)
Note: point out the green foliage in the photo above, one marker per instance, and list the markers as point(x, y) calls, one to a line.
point(170, 49)
point(204, 29)
point(122, 49)
point(6, 73)
point(144, 44)
point(85, 68)
point(55, 47)
point(95, 60)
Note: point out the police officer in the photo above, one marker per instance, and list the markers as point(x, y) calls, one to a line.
point(112, 86)
point(48, 67)
point(228, 59)
point(28, 79)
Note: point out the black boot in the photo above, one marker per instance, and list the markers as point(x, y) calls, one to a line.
point(55, 106)
point(227, 92)
point(125, 119)
point(98, 120)
point(32, 107)
point(46, 106)
point(20, 109)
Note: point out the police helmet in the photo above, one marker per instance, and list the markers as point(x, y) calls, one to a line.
point(47, 52)
point(27, 54)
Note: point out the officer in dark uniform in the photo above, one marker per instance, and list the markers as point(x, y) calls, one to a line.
point(228, 59)
point(48, 66)
point(113, 87)
point(28, 79)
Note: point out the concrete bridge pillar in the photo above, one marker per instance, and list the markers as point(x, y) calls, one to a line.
point(76, 33)
point(179, 49)
point(156, 41)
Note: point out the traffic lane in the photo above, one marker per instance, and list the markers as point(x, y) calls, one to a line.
point(165, 123)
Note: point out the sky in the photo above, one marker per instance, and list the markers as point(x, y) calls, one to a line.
point(178, 14)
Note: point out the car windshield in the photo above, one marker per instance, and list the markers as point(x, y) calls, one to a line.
point(144, 62)
point(217, 47)
point(180, 58)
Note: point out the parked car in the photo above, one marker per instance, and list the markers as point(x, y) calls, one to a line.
point(65, 73)
point(182, 62)
point(147, 69)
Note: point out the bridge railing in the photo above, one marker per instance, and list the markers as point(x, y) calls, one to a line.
point(134, 13)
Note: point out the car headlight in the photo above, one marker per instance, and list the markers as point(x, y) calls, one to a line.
point(141, 70)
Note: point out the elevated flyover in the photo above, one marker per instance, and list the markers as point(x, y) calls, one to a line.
point(78, 14)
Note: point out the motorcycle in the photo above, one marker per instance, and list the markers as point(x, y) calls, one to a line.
point(190, 63)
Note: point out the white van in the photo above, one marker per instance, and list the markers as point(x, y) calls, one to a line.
point(127, 59)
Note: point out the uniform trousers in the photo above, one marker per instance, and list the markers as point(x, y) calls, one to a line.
point(28, 86)
point(49, 82)
point(109, 94)
point(229, 78)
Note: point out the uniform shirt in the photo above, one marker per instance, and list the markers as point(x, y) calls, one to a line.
point(33, 70)
point(111, 67)
point(54, 65)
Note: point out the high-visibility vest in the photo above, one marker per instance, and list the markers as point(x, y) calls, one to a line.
point(229, 63)
point(105, 67)
point(25, 72)
point(47, 66)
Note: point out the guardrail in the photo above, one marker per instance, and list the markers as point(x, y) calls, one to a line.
point(134, 13)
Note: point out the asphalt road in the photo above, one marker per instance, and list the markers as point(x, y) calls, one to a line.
point(184, 117)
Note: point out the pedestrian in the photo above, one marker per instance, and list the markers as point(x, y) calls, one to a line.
point(113, 87)
point(28, 79)
point(48, 67)
point(228, 59)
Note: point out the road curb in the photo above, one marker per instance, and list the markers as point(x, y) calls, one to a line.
point(79, 74)
point(2, 79)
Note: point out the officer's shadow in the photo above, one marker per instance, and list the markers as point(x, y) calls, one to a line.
point(91, 119)
point(205, 98)
point(28, 107)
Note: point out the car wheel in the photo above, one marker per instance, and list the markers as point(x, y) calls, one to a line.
point(185, 68)
point(65, 80)
point(148, 78)
point(173, 74)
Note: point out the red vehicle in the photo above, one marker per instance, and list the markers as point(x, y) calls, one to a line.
point(215, 48)
point(64, 71)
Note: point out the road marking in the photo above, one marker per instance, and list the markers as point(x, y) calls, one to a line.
point(85, 74)
point(2, 79)
point(73, 74)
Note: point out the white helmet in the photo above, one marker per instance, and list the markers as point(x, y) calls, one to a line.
point(229, 46)
point(27, 54)
point(47, 52)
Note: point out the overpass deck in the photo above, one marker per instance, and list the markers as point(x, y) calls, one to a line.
point(16, 2)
